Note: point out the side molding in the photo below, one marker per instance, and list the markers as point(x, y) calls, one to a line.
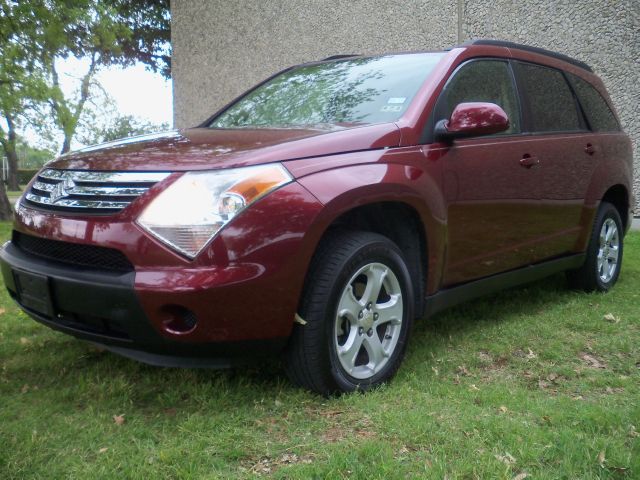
point(450, 297)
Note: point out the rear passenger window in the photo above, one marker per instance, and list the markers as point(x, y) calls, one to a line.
point(600, 116)
point(482, 81)
point(551, 103)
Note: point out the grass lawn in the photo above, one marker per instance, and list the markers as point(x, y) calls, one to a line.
point(531, 381)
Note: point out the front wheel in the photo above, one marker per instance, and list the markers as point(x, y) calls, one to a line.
point(603, 261)
point(357, 307)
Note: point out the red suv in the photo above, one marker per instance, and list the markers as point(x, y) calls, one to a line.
point(325, 209)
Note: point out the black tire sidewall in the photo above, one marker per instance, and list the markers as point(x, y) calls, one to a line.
point(387, 254)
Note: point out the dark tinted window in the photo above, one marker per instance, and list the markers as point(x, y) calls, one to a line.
point(482, 81)
point(600, 116)
point(355, 91)
point(551, 102)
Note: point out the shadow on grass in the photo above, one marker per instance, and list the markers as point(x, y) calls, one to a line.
point(497, 307)
point(81, 363)
point(436, 336)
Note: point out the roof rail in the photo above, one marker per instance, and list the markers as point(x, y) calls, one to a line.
point(549, 53)
point(338, 57)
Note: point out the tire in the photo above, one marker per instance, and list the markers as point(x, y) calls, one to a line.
point(330, 352)
point(606, 243)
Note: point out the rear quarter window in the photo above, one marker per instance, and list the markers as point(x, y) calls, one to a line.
point(552, 106)
point(599, 115)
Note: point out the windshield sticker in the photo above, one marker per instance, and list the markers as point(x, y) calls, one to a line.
point(397, 100)
point(391, 108)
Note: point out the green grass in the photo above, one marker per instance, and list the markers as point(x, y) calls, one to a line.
point(495, 388)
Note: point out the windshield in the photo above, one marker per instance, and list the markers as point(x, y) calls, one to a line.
point(355, 91)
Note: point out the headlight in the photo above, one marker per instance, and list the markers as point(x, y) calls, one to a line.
point(195, 207)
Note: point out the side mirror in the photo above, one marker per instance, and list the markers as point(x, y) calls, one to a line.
point(472, 119)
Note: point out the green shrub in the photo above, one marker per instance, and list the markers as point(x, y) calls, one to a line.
point(25, 176)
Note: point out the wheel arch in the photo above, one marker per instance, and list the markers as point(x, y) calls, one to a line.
point(610, 182)
point(397, 210)
point(400, 223)
point(618, 196)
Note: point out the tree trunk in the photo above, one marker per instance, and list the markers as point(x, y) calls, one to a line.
point(67, 120)
point(13, 182)
point(5, 205)
point(12, 157)
point(66, 145)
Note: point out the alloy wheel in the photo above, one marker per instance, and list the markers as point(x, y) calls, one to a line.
point(368, 321)
point(609, 251)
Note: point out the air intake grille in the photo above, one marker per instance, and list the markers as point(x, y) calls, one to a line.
point(89, 191)
point(73, 253)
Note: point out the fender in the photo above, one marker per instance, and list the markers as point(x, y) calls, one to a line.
point(615, 167)
point(343, 189)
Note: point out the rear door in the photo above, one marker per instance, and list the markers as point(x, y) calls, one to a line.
point(566, 151)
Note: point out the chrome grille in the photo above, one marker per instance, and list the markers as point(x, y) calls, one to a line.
point(85, 190)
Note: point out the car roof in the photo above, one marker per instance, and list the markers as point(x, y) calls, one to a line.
point(480, 42)
point(528, 48)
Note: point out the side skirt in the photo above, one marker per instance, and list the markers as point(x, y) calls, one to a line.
point(452, 296)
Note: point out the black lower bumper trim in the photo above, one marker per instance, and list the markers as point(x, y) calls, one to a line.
point(227, 354)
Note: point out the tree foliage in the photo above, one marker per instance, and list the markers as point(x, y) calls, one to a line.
point(22, 83)
point(149, 39)
point(105, 33)
point(22, 80)
point(35, 35)
point(124, 126)
point(30, 157)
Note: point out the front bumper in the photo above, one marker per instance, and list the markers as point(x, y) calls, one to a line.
point(102, 307)
point(242, 290)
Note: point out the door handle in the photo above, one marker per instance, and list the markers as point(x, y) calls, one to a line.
point(589, 149)
point(527, 161)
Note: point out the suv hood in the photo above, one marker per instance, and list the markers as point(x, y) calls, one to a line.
point(205, 148)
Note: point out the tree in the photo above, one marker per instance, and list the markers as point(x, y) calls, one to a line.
point(36, 34)
point(30, 157)
point(102, 121)
point(149, 41)
point(105, 33)
point(21, 83)
point(123, 126)
point(21, 79)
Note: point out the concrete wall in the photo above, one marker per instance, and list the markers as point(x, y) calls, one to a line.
point(220, 48)
point(603, 33)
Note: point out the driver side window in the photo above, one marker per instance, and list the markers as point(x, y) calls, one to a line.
point(482, 81)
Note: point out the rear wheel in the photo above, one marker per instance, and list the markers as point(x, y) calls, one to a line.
point(604, 255)
point(358, 309)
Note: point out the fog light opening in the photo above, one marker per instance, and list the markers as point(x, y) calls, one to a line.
point(178, 320)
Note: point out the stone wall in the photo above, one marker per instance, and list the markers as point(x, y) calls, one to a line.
point(220, 48)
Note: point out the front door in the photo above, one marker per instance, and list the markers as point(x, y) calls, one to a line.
point(490, 183)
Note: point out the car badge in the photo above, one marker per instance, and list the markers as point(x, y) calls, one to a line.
point(62, 189)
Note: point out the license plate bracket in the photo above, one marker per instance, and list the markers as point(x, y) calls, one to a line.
point(34, 292)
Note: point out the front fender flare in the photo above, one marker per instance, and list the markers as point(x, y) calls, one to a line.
point(343, 189)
